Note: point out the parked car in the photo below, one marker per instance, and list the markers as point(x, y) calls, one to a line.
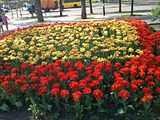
point(4, 8)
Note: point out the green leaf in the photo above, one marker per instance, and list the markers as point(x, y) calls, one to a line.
point(120, 111)
point(4, 107)
point(49, 107)
point(131, 107)
point(18, 104)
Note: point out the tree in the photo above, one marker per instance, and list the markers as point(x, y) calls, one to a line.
point(60, 7)
point(38, 10)
point(132, 3)
point(90, 4)
point(83, 9)
point(120, 2)
point(104, 11)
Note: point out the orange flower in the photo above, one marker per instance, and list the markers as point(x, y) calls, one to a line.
point(147, 98)
point(76, 96)
point(64, 93)
point(124, 94)
point(98, 94)
point(55, 91)
point(87, 90)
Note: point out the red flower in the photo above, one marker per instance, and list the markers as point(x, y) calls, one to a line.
point(97, 73)
point(117, 65)
point(82, 84)
point(147, 98)
point(14, 70)
point(73, 76)
point(108, 67)
point(158, 90)
point(116, 86)
point(64, 93)
point(58, 61)
point(158, 47)
point(98, 94)
point(44, 81)
point(6, 84)
point(56, 85)
point(76, 96)
point(124, 94)
point(64, 78)
point(73, 85)
point(60, 74)
point(141, 73)
point(2, 78)
point(87, 90)
point(1, 68)
point(134, 87)
point(147, 90)
point(8, 68)
point(25, 87)
point(95, 83)
point(124, 70)
point(52, 78)
point(79, 65)
point(57, 69)
point(21, 80)
point(34, 78)
point(139, 82)
point(55, 91)
point(68, 64)
point(151, 83)
point(100, 66)
point(157, 75)
point(42, 90)
point(100, 78)
point(34, 87)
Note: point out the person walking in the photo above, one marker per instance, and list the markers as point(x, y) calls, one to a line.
point(1, 24)
point(5, 20)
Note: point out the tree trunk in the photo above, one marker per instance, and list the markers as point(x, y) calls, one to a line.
point(38, 10)
point(83, 9)
point(132, 3)
point(11, 10)
point(120, 8)
point(90, 4)
point(60, 7)
point(104, 11)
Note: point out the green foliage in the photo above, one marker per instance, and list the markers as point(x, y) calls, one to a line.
point(156, 12)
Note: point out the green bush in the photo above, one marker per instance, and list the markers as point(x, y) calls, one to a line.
point(156, 12)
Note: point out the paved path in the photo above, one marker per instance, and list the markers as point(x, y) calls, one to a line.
point(141, 9)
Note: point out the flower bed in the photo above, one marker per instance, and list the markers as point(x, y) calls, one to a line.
point(109, 69)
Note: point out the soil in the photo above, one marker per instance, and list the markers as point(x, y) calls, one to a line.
point(21, 114)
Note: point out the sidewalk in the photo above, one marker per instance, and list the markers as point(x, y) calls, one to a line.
point(141, 10)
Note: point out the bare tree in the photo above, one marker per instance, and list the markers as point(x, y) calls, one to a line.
point(120, 2)
point(132, 3)
point(83, 9)
point(60, 7)
point(38, 10)
point(90, 5)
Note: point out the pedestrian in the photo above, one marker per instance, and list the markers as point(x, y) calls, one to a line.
point(5, 20)
point(31, 9)
point(1, 24)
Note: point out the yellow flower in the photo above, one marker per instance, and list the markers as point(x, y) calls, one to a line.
point(130, 50)
point(82, 49)
point(88, 54)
